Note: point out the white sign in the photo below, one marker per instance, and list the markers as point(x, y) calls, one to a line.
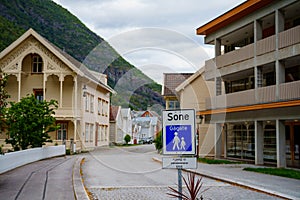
point(180, 163)
point(179, 132)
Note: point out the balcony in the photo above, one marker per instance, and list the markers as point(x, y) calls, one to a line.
point(244, 56)
point(287, 91)
point(64, 112)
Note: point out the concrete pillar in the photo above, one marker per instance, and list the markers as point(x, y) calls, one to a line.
point(218, 140)
point(279, 66)
point(258, 75)
point(225, 138)
point(217, 47)
point(257, 30)
point(280, 76)
point(280, 143)
point(279, 21)
point(259, 143)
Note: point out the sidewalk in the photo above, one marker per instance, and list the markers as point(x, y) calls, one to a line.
point(286, 188)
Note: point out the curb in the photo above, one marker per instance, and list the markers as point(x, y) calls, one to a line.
point(236, 183)
point(78, 187)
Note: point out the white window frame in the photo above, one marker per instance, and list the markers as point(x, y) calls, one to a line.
point(92, 103)
point(91, 132)
point(87, 127)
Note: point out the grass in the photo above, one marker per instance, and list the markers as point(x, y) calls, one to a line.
point(214, 161)
point(289, 173)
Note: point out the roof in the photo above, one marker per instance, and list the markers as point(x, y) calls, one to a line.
point(71, 62)
point(142, 113)
point(150, 120)
point(189, 80)
point(113, 112)
point(125, 112)
point(232, 15)
point(172, 80)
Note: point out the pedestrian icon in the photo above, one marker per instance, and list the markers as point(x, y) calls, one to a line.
point(178, 138)
point(176, 141)
point(182, 144)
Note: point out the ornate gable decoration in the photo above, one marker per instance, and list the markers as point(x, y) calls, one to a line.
point(12, 62)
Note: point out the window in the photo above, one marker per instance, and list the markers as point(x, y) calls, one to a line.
point(39, 94)
point(102, 133)
point(99, 133)
point(240, 141)
point(91, 132)
point(86, 102)
point(99, 106)
point(292, 74)
point(92, 103)
point(105, 108)
point(105, 132)
point(62, 131)
point(173, 105)
point(87, 126)
point(37, 64)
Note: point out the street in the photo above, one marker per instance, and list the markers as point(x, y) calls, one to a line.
point(45, 179)
point(130, 173)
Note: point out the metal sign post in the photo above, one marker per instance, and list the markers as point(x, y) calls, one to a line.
point(179, 139)
point(180, 183)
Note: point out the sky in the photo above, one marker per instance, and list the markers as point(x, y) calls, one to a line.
point(156, 36)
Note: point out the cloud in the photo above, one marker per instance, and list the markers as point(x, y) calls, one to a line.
point(152, 33)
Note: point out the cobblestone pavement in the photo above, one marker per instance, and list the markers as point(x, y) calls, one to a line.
point(160, 192)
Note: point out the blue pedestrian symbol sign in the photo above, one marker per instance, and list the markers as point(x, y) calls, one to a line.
point(178, 138)
point(179, 132)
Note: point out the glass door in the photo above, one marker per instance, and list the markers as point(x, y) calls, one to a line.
point(292, 132)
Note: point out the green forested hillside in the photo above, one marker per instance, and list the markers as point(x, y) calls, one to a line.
point(63, 29)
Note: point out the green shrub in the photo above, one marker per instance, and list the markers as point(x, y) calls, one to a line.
point(127, 138)
point(68, 152)
point(158, 141)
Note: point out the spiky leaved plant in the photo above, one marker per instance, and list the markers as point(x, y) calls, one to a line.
point(193, 186)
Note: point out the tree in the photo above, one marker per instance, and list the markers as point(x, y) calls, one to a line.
point(158, 141)
point(29, 122)
point(3, 98)
point(127, 138)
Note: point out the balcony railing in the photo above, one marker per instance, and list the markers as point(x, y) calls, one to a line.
point(287, 91)
point(65, 112)
point(236, 56)
point(289, 37)
point(266, 45)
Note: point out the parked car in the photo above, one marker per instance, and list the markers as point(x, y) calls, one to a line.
point(148, 140)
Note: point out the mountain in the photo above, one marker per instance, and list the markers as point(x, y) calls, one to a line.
point(55, 23)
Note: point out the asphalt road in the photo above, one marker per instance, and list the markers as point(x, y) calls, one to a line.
point(47, 179)
point(130, 173)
